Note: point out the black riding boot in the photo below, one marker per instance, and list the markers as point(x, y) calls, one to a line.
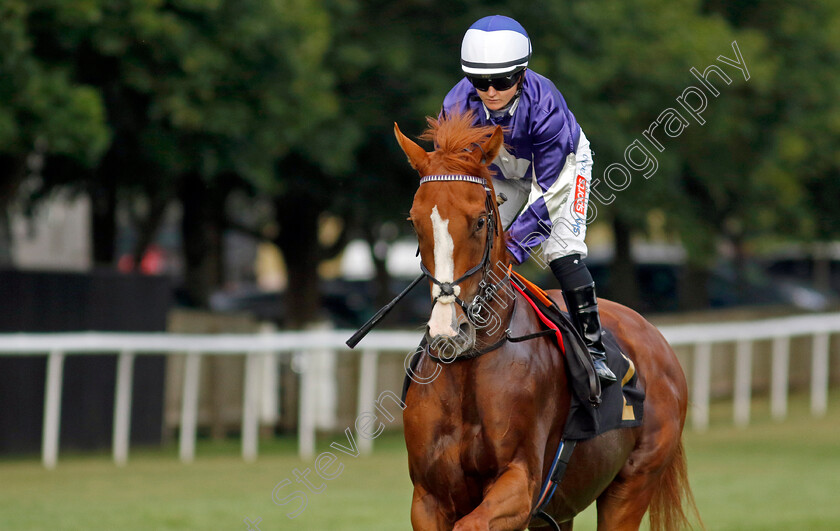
point(583, 309)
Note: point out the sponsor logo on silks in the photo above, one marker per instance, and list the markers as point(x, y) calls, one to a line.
point(580, 195)
point(577, 223)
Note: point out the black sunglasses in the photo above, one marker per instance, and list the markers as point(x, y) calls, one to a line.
point(498, 83)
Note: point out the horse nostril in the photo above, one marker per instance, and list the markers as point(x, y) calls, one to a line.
point(464, 329)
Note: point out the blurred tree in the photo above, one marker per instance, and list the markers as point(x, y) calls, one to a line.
point(394, 62)
point(203, 96)
point(294, 102)
point(799, 115)
point(620, 66)
point(44, 111)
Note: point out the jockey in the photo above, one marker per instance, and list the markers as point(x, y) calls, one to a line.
point(543, 171)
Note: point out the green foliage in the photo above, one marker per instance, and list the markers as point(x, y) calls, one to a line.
point(743, 174)
point(803, 110)
point(253, 87)
point(621, 64)
point(215, 86)
point(43, 102)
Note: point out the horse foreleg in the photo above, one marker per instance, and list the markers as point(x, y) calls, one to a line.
point(426, 512)
point(506, 504)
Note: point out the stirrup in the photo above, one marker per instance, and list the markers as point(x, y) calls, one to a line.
point(603, 371)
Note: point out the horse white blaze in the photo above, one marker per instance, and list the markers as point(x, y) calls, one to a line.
point(442, 322)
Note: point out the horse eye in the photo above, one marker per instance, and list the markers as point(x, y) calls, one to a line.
point(479, 225)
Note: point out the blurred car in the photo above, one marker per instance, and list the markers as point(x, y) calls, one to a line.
point(761, 288)
point(345, 303)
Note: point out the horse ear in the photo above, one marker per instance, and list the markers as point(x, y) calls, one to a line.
point(417, 156)
point(492, 146)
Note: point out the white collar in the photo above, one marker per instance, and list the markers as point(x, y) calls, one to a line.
point(511, 106)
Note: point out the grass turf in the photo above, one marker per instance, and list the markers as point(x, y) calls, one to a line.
point(768, 476)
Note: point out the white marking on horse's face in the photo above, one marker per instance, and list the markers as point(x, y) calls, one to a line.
point(443, 320)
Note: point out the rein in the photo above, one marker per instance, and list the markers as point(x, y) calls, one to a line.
point(504, 339)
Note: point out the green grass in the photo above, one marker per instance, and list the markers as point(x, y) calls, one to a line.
point(771, 475)
point(768, 476)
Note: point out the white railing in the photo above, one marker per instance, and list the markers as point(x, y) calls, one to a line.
point(128, 345)
point(780, 330)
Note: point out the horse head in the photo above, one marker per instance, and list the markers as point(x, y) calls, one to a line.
point(456, 218)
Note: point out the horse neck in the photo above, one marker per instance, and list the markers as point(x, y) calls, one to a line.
point(503, 300)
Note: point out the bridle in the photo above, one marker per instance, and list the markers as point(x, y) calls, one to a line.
point(450, 291)
point(486, 289)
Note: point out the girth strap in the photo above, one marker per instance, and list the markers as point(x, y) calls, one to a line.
point(555, 475)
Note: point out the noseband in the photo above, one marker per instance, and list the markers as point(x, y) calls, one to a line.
point(452, 289)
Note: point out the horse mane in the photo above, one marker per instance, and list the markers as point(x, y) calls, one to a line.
point(454, 136)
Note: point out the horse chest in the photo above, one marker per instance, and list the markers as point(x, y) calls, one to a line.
point(483, 441)
point(479, 454)
point(463, 450)
point(462, 439)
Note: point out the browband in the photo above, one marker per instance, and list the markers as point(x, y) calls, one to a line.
point(454, 177)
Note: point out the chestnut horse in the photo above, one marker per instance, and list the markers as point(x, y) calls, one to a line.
point(482, 430)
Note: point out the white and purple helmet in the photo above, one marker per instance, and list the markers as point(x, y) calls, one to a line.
point(495, 46)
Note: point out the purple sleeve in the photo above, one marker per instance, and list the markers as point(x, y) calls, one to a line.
point(552, 141)
point(458, 98)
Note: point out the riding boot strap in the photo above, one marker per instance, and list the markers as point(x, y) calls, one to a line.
point(583, 310)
